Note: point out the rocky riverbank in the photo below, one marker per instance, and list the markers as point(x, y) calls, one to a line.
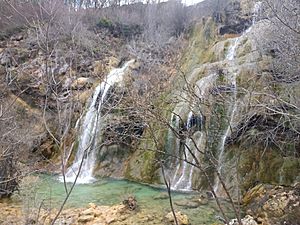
point(93, 214)
point(274, 205)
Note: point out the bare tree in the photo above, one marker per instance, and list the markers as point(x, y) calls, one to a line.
point(281, 38)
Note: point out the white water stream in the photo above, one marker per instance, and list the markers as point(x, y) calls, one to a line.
point(183, 177)
point(85, 159)
point(231, 57)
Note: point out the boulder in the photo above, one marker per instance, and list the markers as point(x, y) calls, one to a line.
point(248, 220)
point(85, 218)
point(130, 203)
point(182, 219)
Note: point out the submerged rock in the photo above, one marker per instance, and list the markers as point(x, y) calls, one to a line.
point(188, 204)
point(161, 196)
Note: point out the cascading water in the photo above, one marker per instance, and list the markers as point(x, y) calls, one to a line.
point(231, 110)
point(183, 176)
point(184, 171)
point(90, 130)
point(231, 56)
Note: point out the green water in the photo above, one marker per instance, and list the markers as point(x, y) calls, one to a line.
point(51, 193)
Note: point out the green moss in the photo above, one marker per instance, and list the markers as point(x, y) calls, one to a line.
point(265, 166)
point(290, 171)
point(144, 165)
point(149, 166)
point(201, 40)
point(269, 167)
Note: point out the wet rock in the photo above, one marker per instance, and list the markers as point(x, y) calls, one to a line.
point(182, 219)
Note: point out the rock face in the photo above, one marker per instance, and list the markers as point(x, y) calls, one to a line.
point(35, 109)
point(235, 21)
point(205, 55)
point(274, 205)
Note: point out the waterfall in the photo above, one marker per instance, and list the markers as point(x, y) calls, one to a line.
point(183, 176)
point(172, 139)
point(230, 113)
point(90, 128)
point(231, 56)
point(182, 179)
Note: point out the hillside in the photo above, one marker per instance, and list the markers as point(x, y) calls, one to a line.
point(157, 100)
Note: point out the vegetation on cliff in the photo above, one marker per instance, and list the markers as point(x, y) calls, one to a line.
point(210, 103)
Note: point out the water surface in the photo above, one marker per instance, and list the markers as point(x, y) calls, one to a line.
point(51, 193)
